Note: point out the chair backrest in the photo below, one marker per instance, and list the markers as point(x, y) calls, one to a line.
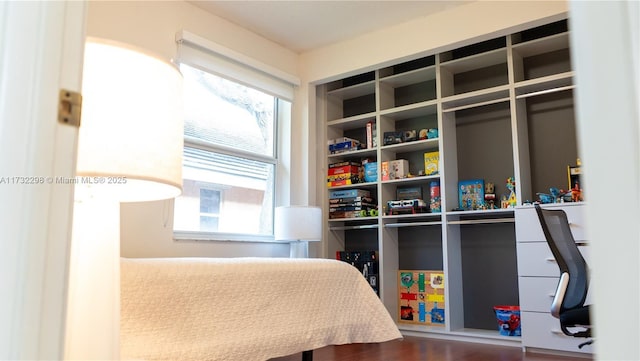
point(557, 231)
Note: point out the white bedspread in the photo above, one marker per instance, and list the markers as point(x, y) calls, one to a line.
point(245, 308)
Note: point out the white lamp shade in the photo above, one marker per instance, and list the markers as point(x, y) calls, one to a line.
point(298, 223)
point(131, 134)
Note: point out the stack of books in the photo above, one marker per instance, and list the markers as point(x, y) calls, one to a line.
point(351, 203)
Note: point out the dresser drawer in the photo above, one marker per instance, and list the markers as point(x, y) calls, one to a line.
point(528, 228)
point(541, 330)
point(536, 259)
point(536, 293)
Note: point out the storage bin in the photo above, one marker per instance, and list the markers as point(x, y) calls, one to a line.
point(508, 320)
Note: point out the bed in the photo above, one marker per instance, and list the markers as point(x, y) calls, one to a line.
point(245, 308)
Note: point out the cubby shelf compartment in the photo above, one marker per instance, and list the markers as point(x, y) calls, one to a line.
point(410, 77)
point(411, 111)
point(542, 45)
point(351, 100)
point(549, 83)
point(412, 146)
point(353, 91)
point(476, 98)
point(356, 121)
point(407, 88)
point(477, 61)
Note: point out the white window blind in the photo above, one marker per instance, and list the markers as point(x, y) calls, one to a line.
point(204, 54)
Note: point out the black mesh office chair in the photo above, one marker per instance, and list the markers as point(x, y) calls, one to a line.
point(568, 302)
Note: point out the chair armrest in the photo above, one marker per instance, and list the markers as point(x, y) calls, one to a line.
point(559, 296)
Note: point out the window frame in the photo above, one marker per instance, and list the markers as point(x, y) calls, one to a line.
point(282, 127)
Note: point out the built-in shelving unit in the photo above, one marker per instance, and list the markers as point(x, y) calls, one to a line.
point(503, 108)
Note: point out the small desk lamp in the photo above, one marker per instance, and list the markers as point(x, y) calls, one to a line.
point(130, 148)
point(298, 225)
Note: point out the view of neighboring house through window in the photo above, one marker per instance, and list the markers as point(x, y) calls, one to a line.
point(229, 158)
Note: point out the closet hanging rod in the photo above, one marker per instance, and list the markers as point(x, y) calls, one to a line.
point(480, 221)
point(546, 91)
point(346, 228)
point(475, 105)
point(413, 224)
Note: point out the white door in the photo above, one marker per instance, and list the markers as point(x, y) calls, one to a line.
point(41, 52)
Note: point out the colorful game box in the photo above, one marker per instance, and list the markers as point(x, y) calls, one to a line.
point(349, 193)
point(421, 297)
point(371, 172)
point(431, 160)
point(385, 171)
point(471, 194)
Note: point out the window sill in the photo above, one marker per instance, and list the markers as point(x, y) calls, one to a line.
point(222, 237)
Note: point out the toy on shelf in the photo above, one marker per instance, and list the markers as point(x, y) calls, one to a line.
point(545, 198)
point(434, 193)
point(574, 181)
point(407, 206)
point(556, 195)
point(489, 196)
point(393, 137)
point(576, 193)
point(410, 136)
point(512, 201)
point(372, 212)
point(471, 194)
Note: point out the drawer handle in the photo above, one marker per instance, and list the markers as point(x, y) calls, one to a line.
point(552, 295)
point(550, 259)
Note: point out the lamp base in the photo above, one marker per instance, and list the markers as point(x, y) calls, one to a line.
point(94, 280)
point(299, 249)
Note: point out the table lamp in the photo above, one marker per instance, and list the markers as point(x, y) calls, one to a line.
point(298, 225)
point(130, 148)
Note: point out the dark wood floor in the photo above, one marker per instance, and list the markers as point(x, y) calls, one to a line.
point(425, 349)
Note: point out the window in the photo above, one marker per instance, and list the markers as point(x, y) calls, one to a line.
point(230, 151)
point(209, 209)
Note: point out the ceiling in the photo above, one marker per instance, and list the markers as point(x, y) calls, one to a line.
point(303, 25)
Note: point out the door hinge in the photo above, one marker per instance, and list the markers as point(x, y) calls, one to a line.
point(69, 107)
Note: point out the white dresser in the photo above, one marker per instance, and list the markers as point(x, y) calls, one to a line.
point(538, 276)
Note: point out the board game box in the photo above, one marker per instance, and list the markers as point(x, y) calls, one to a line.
point(471, 194)
point(431, 163)
point(421, 297)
